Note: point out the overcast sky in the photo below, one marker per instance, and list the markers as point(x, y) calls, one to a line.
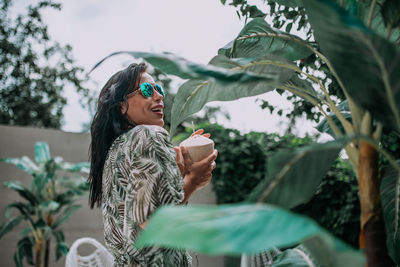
point(191, 29)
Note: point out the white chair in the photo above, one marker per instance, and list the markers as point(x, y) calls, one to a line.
point(100, 257)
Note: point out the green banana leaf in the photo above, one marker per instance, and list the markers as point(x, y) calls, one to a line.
point(83, 167)
point(172, 64)
point(26, 231)
point(61, 247)
point(367, 64)
point(390, 197)
point(42, 152)
point(39, 181)
point(25, 209)
point(22, 191)
point(231, 229)
point(61, 250)
point(258, 39)
point(323, 254)
point(10, 224)
point(294, 175)
point(293, 257)
point(324, 126)
point(24, 163)
point(66, 214)
point(24, 249)
point(390, 11)
point(49, 206)
point(194, 94)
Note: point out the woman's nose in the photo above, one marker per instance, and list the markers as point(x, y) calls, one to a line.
point(157, 95)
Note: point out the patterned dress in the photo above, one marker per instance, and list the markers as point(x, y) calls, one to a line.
point(140, 174)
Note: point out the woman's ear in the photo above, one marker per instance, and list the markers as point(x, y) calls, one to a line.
point(123, 107)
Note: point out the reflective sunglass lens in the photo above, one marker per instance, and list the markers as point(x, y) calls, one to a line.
point(147, 89)
point(160, 90)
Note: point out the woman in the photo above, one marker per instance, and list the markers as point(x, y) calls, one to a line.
point(134, 167)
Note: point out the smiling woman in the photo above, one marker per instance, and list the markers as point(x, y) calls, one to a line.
point(134, 167)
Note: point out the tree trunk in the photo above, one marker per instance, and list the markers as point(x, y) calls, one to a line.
point(47, 253)
point(50, 221)
point(38, 247)
point(372, 235)
point(39, 253)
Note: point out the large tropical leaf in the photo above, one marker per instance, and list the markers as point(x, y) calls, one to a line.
point(10, 224)
point(24, 249)
point(49, 206)
point(75, 167)
point(367, 64)
point(42, 152)
point(324, 126)
point(39, 181)
point(293, 257)
point(258, 39)
point(230, 229)
point(22, 191)
point(378, 22)
point(172, 64)
point(26, 231)
point(61, 250)
point(194, 94)
point(323, 254)
point(24, 163)
point(294, 175)
point(24, 208)
point(67, 213)
point(391, 13)
point(390, 197)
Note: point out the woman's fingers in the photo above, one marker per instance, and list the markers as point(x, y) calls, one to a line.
point(178, 155)
point(200, 131)
point(210, 158)
point(179, 161)
point(213, 165)
point(185, 154)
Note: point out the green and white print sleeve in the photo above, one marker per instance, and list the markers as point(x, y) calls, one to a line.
point(154, 177)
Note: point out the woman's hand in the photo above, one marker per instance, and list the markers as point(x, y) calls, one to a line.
point(198, 173)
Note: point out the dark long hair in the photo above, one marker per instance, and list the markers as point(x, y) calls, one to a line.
point(108, 123)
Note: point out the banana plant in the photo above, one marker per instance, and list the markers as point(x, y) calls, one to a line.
point(45, 205)
point(361, 50)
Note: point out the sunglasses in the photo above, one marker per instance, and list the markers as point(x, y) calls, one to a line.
point(147, 89)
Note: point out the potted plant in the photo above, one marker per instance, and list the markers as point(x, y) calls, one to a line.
point(46, 204)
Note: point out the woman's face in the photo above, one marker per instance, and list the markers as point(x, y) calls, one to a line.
point(142, 110)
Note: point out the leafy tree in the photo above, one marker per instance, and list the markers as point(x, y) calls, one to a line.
point(34, 70)
point(290, 16)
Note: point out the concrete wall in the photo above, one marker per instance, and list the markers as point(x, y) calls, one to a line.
point(73, 147)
